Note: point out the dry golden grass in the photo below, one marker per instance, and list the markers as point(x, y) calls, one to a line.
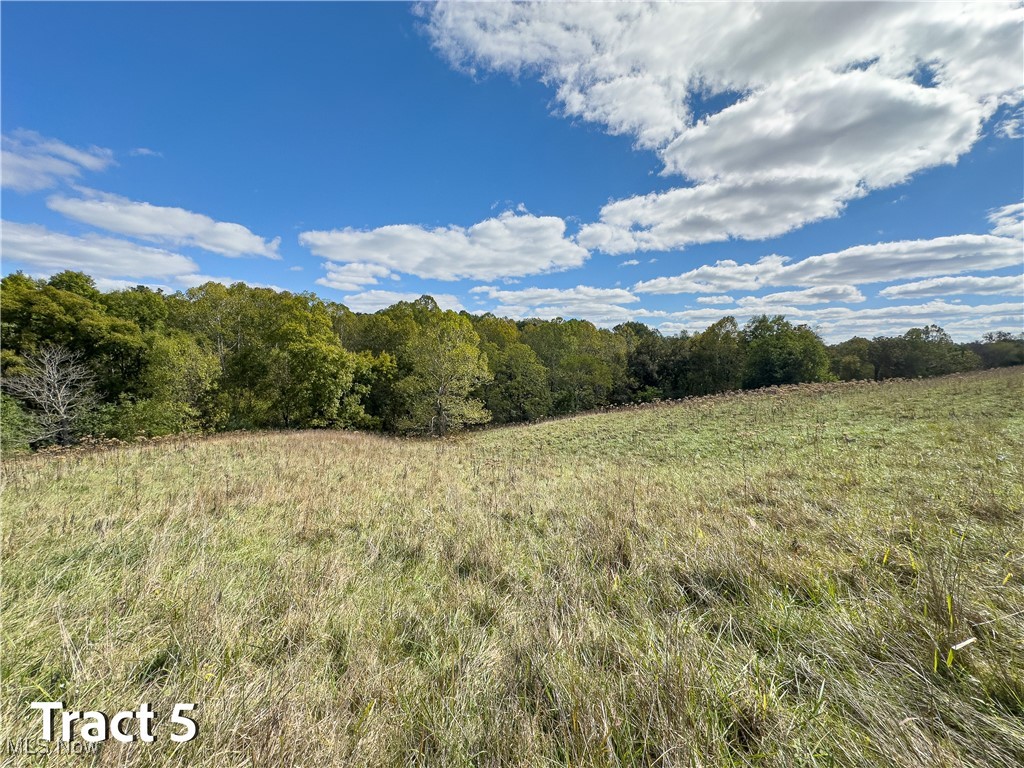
point(769, 579)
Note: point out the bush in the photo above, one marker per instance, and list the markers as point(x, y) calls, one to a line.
point(15, 427)
point(140, 418)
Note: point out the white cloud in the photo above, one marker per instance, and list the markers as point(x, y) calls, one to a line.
point(144, 152)
point(1012, 127)
point(881, 262)
point(1013, 285)
point(1008, 221)
point(536, 296)
point(964, 322)
point(635, 68)
point(113, 263)
point(822, 294)
point(829, 102)
point(629, 263)
point(724, 275)
point(886, 262)
point(352, 277)
point(30, 162)
point(599, 305)
point(715, 300)
point(371, 301)
point(107, 284)
point(191, 281)
point(100, 257)
point(861, 125)
point(752, 209)
point(174, 226)
point(507, 246)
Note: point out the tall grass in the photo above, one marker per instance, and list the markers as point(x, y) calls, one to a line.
point(766, 579)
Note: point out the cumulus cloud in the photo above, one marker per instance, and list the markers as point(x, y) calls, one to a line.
point(174, 226)
point(829, 101)
point(352, 277)
point(881, 262)
point(1008, 221)
point(724, 275)
point(962, 321)
point(1012, 127)
point(610, 306)
point(191, 281)
point(31, 162)
point(536, 296)
point(510, 245)
point(371, 301)
point(600, 305)
point(1012, 285)
point(107, 284)
point(750, 209)
point(112, 262)
point(860, 125)
point(823, 294)
point(101, 257)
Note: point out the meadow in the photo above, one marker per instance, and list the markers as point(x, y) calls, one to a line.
point(772, 578)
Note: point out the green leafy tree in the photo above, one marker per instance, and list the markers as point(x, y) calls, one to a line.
point(586, 366)
point(999, 349)
point(518, 390)
point(716, 357)
point(777, 352)
point(147, 308)
point(852, 359)
point(931, 352)
point(67, 311)
point(675, 370)
point(646, 361)
point(447, 367)
point(282, 363)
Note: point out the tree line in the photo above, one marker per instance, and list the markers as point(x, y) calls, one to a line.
point(138, 362)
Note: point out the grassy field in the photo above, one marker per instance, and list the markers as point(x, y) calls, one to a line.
point(763, 579)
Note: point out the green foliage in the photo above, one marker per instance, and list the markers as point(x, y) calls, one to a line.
point(999, 349)
point(183, 377)
point(77, 283)
point(225, 357)
point(130, 418)
point(66, 311)
point(929, 351)
point(143, 306)
point(519, 389)
point(646, 361)
point(281, 362)
point(777, 352)
point(16, 426)
point(715, 361)
point(851, 360)
point(585, 365)
point(447, 367)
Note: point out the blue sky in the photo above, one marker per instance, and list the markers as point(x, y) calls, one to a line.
point(857, 168)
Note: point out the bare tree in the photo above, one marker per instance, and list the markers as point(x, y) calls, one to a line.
point(58, 387)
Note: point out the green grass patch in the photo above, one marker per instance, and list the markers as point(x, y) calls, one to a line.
point(770, 578)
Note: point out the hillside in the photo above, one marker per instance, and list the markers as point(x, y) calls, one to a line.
point(760, 579)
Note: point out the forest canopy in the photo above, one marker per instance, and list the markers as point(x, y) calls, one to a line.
point(215, 358)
